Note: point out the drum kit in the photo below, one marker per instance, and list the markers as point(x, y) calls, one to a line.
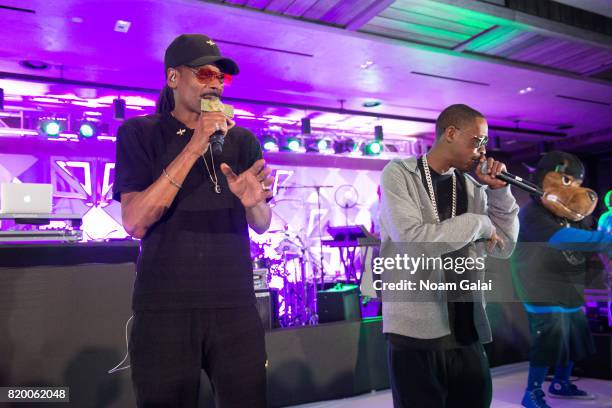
point(294, 261)
point(284, 254)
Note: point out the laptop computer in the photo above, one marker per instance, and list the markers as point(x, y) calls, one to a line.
point(25, 198)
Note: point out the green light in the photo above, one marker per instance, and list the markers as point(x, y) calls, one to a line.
point(86, 130)
point(373, 148)
point(51, 128)
point(270, 145)
point(293, 144)
point(343, 287)
point(322, 145)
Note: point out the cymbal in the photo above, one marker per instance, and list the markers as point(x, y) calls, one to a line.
point(293, 232)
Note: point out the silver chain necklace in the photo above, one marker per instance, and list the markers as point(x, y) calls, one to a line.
point(214, 180)
point(432, 194)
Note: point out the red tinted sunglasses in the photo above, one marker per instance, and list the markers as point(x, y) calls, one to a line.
point(206, 75)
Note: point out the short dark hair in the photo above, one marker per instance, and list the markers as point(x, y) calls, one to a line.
point(455, 115)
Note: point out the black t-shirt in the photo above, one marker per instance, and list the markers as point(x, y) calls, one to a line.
point(197, 255)
point(543, 275)
point(460, 314)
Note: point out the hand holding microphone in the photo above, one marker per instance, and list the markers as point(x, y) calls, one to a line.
point(222, 114)
point(490, 169)
point(207, 124)
point(489, 172)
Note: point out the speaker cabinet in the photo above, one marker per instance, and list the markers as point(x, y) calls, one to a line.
point(338, 303)
point(267, 307)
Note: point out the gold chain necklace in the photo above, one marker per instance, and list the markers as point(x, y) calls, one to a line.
point(432, 194)
point(214, 180)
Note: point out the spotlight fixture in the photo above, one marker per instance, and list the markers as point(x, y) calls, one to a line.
point(323, 145)
point(87, 130)
point(320, 144)
point(345, 146)
point(34, 64)
point(306, 129)
point(294, 144)
point(119, 109)
point(378, 132)
point(373, 148)
point(122, 26)
point(51, 127)
point(270, 143)
point(371, 104)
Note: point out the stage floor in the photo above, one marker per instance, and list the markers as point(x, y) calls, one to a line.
point(508, 385)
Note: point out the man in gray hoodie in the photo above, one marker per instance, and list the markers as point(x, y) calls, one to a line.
point(431, 209)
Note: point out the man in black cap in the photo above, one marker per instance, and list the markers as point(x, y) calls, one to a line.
point(193, 300)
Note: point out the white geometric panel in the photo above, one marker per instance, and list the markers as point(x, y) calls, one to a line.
point(68, 172)
point(98, 224)
point(107, 184)
point(13, 165)
point(281, 177)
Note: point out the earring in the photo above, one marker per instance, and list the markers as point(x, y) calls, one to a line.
point(173, 77)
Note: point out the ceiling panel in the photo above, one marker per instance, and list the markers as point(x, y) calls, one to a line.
point(289, 61)
point(447, 26)
point(333, 12)
point(427, 22)
point(524, 46)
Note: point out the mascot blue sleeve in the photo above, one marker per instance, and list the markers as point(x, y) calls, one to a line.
point(576, 239)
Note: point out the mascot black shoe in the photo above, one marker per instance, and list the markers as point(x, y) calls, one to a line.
point(549, 272)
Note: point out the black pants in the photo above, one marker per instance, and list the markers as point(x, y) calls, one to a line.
point(168, 349)
point(457, 378)
point(558, 338)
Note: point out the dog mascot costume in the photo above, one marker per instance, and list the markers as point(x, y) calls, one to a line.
point(549, 272)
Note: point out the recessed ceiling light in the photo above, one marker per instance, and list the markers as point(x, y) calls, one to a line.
point(367, 64)
point(122, 26)
point(34, 64)
point(371, 104)
point(526, 90)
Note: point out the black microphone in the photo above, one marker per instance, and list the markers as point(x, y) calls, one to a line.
point(216, 142)
point(514, 180)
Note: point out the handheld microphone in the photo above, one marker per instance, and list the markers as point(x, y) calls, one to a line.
point(216, 142)
point(514, 180)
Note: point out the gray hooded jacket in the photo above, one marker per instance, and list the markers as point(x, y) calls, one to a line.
point(407, 221)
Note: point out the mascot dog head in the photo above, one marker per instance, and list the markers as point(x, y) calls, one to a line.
point(560, 176)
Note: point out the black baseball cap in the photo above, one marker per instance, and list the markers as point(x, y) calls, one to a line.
point(194, 50)
point(560, 162)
